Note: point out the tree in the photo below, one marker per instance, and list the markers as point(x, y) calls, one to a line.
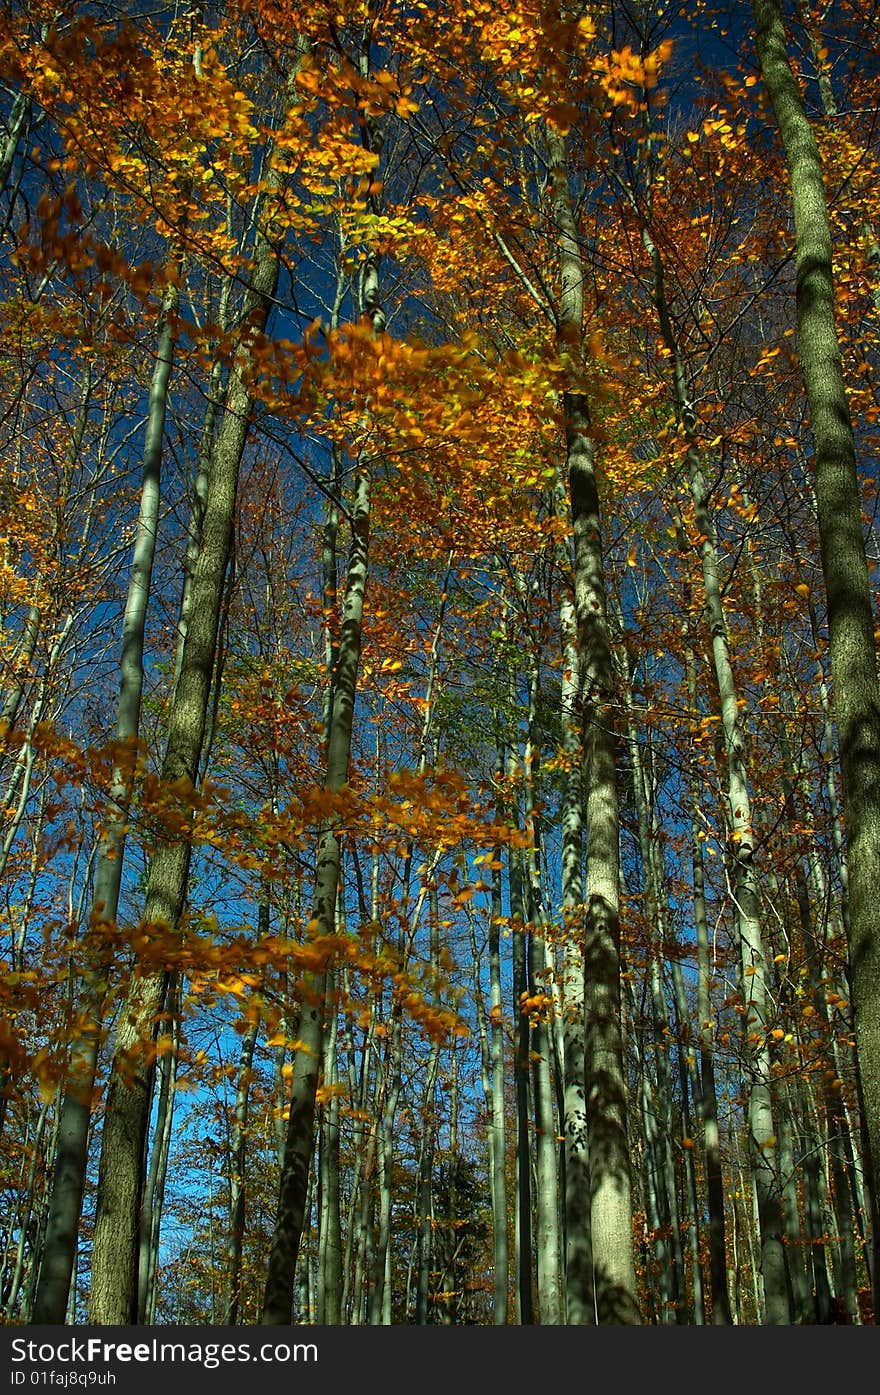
point(844, 566)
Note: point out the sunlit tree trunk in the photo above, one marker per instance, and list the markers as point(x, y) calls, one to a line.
point(547, 1238)
point(126, 1121)
point(844, 567)
point(612, 1288)
point(521, 1073)
point(70, 1165)
point(579, 1307)
point(16, 122)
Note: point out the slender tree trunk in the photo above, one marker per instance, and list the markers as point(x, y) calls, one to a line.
point(613, 1281)
point(522, 1048)
point(492, 1070)
point(157, 1176)
point(795, 1233)
point(23, 1223)
point(690, 1096)
point(238, 1155)
point(380, 1295)
point(673, 1258)
point(70, 1165)
point(497, 1127)
point(844, 567)
point(298, 1148)
point(708, 1098)
point(287, 1232)
point(126, 1120)
point(423, 1247)
point(18, 118)
point(579, 1305)
point(329, 1285)
point(546, 1152)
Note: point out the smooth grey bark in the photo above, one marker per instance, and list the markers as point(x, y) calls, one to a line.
point(360, 1090)
point(547, 1234)
point(113, 1296)
point(579, 1308)
point(24, 654)
point(70, 1164)
point(330, 1294)
point(18, 789)
point(856, 695)
point(612, 1287)
point(844, 1133)
point(521, 1050)
point(213, 405)
point(500, 1247)
point(547, 1230)
point(18, 118)
point(660, 1111)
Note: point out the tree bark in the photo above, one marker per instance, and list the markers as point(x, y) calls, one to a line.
point(613, 1282)
point(844, 567)
point(70, 1164)
point(113, 1295)
point(287, 1233)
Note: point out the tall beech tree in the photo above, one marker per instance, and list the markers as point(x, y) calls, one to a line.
point(610, 1285)
point(127, 1110)
point(448, 910)
point(856, 694)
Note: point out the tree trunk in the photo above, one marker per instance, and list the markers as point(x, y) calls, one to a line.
point(329, 1287)
point(298, 1147)
point(613, 1281)
point(126, 1120)
point(238, 1155)
point(546, 1152)
point(70, 1165)
point(844, 567)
